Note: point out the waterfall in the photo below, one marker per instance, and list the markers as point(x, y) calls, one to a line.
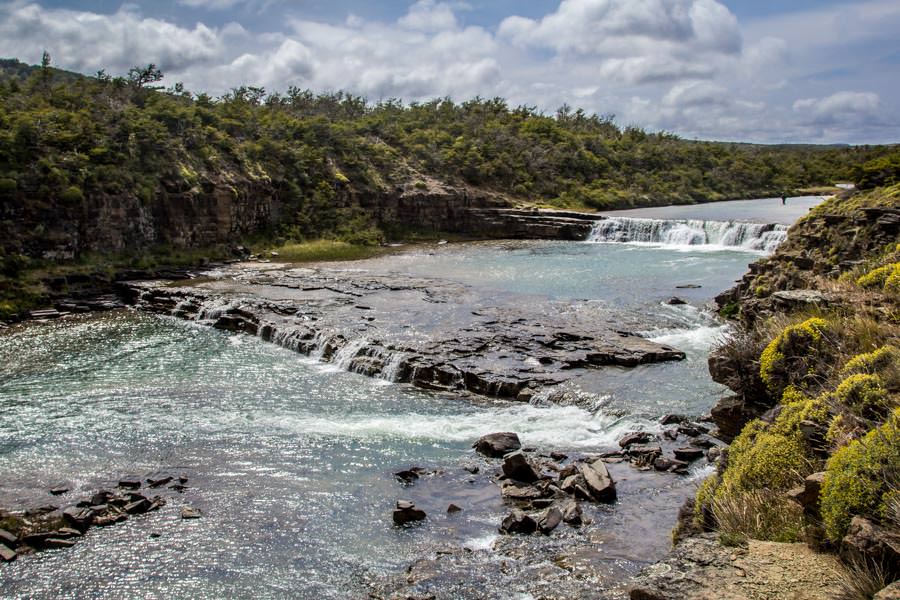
point(757, 237)
point(391, 370)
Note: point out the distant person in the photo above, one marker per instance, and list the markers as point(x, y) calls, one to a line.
point(784, 198)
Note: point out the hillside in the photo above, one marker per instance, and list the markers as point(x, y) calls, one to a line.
point(111, 166)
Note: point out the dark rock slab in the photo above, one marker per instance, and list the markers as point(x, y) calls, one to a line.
point(688, 454)
point(7, 554)
point(8, 538)
point(598, 481)
point(496, 445)
point(453, 508)
point(517, 467)
point(406, 512)
point(635, 437)
point(549, 520)
point(807, 495)
point(518, 522)
point(873, 543)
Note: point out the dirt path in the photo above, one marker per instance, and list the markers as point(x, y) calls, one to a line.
point(702, 569)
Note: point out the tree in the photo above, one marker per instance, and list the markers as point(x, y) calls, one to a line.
point(141, 76)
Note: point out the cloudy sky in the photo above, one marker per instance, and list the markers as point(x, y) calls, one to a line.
point(748, 70)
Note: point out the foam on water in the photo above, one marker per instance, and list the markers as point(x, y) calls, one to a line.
point(692, 235)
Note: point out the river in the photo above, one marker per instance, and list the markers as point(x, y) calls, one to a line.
point(291, 461)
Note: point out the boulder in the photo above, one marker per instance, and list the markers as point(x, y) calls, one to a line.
point(137, 507)
point(571, 512)
point(513, 491)
point(189, 512)
point(517, 467)
point(549, 520)
point(496, 445)
point(873, 543)
point(692, 429)
point(672, 419)
point(669, 464)
point(635, 437)
point(80, 517)
point(59, 490)
point(453, 508)
point(407, 477)
point(159, 481)
point(7, 554)
point(518, 522)
point(406, 512)
point(807, 495)
point(645, 452)
point(688, 454)
point(675, 301)
point(598, 481)
point(8, 539)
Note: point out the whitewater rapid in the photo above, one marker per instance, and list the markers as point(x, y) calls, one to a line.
point(690, 234)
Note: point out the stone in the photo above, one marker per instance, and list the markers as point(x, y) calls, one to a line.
point(672, 419)
point(407, 477)
point(807, 495)
point(688, 454)
point(675, 301)
point(705, 441)
point(67, 532)
point(110, 518)
point(131, 483)
point(559, 456)
point(688, 286)
point(407, 512)
point(470, 468)
point(518, 522)
point(714, 454)
point(496, 445)
point(159, 481)
point(137, 507)
point(873, 543)
point(453, 508)
point(54, 543)
point(512, 491)
point(598, 481)
point(7, 554)
point(80, 517)
point(668, 464)
point(101, 497)
point(891, 592)
point(8, 538)
point(517, 467)
point(549, 520)
point(646, 452)
point(189, 512)
point(59, 491)
point(635, 437)
point(692, 429)
point(571, 512)
point(37, 539)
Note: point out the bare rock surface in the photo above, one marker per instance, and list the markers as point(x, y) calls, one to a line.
point(433, 333)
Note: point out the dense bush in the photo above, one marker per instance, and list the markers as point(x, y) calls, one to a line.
point(792, 358)
point(859, 477)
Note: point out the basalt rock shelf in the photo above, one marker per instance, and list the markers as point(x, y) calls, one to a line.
point(432, 333)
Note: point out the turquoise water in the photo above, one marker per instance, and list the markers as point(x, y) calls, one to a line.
point(292, 462)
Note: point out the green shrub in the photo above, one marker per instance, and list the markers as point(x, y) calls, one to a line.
point(858, 477)
point(864, 394)
point(876, 278)
point(792, 356)
point(892, 283)
point(7, 185)
point(72, 195)
point(884, 361)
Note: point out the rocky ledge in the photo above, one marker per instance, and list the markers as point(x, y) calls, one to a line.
point(432, 333)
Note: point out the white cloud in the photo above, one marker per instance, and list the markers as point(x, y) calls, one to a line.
point(851, 107)
point(682, 65)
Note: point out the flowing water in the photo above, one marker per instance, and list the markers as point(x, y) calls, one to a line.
point(292, 461)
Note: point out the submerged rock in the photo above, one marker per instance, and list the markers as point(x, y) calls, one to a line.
point(7, 554)
point(189, 512)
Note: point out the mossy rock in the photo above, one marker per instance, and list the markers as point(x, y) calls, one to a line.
point(792, 356)
point(858, 475)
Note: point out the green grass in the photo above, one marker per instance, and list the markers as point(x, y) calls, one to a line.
point(323, 250)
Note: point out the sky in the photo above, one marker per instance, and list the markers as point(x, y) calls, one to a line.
point(770, 71)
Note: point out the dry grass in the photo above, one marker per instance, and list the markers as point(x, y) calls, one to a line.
point(759, 515)
point(862, 579)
